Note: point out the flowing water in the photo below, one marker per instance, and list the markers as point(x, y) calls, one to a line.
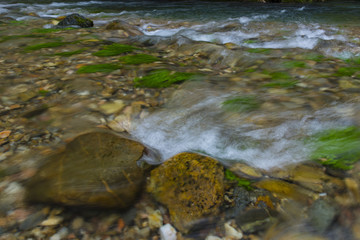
point(194, 120)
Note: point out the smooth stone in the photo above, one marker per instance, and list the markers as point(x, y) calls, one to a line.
point(122, 25)
point(167, 232)
point(52, 221)
point(112, 107)
point(321, 214)
point(286, 190)
point(245, 171)
point(190, 185)
point(61, 234)
point(232, 233)
point(32, 221)
point(97, 169)
point(254, 220)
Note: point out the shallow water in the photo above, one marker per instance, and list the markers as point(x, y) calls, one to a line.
point(200, 123)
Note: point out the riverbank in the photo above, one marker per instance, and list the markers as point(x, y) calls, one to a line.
point(228, 101)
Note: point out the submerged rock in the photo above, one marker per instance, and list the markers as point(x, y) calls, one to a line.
point(190, 185)
point(77, 20)
point(126, 27)
point(322, 213)
point(97, 169)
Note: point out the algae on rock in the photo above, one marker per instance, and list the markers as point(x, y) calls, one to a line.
point(114, 49)
point(190, 185)
point(161, 78)
point(337, 148)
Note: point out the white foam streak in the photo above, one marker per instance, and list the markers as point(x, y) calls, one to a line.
point(200, 128)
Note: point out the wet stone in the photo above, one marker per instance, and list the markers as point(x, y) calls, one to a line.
point(322, 214)
point(96, 169)
point(77, 20)
point(190, 185)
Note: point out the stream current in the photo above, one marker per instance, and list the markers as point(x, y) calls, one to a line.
point(194, 119)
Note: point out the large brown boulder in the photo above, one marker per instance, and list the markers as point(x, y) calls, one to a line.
point(190, 185)
point(97, 169)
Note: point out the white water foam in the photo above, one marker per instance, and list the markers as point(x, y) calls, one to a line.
point(200, 128)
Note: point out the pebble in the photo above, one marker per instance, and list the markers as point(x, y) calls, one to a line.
point(61, 234)
point(52, 221)
point(232, 232)
point(167, 232)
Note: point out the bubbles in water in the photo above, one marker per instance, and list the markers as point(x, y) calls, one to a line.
point(199, 124)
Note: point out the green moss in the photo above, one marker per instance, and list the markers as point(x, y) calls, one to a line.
point(12, 37)
point(259, 50)
point(114, 49)
point(50, 30)
point(281, 84)
point(279, 75)
point(241, 182)
point(250, 41)
point(14, 22)
point(315, 57)
point(337, 148)
point(138, 59)
point(67, 54)
point(104, 67)
point(46, 45)
point(347, 71)
point(241, 104)
point(161, 79)
point(295, 64)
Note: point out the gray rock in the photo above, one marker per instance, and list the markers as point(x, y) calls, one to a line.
point(321, 214)
point(254, 220)
point(76, 20)
point(32, 221)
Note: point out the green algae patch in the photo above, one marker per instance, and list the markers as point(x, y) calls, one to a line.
point(241, 182)
point(104, 67)
point(241, 104)
point(259, 50)
point(281, 84)
point(12, 37)
point(138, 59)
point(114, 49)
point(162, 78)
point(50, 30)
point(347, 71)
point(294, 64)
point(70, 53)
point(279, 75)
point(336, 148)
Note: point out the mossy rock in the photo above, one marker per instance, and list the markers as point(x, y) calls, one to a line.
point(241, 104)
point(190, 185)
point(161, 78)
point(96, 169)
point(138, 59)
point(114, 49)
point(77, 20)
point(336, 148)
point(102, 67)
point(70, 53)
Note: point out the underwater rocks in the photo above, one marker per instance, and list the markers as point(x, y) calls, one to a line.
point(190, 185)
point(97, 169)
point(77, 20)
point(128, 29)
